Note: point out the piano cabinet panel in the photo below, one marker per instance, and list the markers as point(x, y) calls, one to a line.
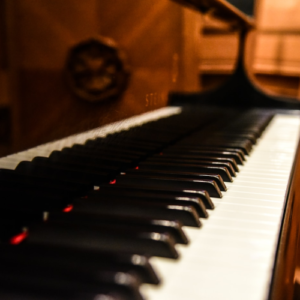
point(154, 35)
point(288, 252)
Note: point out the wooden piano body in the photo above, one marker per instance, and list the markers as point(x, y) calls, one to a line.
point(36, 62)
point(159, 40)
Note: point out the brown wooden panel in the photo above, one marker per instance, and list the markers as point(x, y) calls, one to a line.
point(289, 241)
point(151, 33)
point(279, 84)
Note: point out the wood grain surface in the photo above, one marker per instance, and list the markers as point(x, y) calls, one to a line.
point(152, 33)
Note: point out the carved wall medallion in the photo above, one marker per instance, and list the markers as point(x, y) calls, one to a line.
point(97, 70)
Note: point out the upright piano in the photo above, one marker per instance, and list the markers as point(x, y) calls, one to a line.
point(195, 200)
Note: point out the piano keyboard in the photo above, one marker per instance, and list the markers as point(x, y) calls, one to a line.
point(11, 161)
point(231, 256)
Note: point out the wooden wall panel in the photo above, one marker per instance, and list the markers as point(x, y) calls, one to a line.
point(46, 29)
point(278, 15)
point(151, 33)
point(278, 38)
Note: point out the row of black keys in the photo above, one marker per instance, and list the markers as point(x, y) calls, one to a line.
point(107, 204)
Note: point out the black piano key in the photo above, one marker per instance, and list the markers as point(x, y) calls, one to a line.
point(202, 152)
point(36, 190)
point(126, 144)
point(40, 181)
point(187, 215)
point(156, 193)
point(119, 139)
point(79, 160)
point(246, 146)
point(214, 153)
point(43, 187)
point(85, 260)
point(98, 239)
point(24, 275)
point(144, 197)
point(246, 135)
point(172, 228)
point(195, 157)
point(162, 159)
point(33, 201)
point(147, 135)
point(19, 216)
point(12, 230)
point(180, 167)
point(114, 159)
point(109, 153)
point(76, 158)
point(27, 293)
point(106, 165)
point(119, 158)
point(27, 176)
point(112, 142)
point(61, 172)
point(106, 149)
point(212, 148)
point(243, 145)
point(170, 183)
point(144, 171)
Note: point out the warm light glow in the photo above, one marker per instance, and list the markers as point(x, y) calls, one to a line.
point(68, 208)
point(17, 239)
point(113, 181)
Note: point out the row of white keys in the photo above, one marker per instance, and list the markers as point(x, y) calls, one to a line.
point(11, 161)
point(232, 255)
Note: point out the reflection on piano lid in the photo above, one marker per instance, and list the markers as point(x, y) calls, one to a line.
point(190, 201)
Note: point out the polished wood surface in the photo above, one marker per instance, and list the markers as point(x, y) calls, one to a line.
point(288, 253)
point(154, 35)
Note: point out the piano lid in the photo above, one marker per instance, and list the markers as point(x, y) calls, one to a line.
point(238, 13)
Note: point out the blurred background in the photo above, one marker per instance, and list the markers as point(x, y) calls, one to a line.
point(161, 46)
point(273, 56)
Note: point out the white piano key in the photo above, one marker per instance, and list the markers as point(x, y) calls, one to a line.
point(260, 182)
point(232, 255)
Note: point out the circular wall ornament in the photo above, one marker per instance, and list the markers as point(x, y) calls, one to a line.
point(97, 70)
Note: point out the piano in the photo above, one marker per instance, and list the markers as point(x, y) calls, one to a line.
point(196, 200)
